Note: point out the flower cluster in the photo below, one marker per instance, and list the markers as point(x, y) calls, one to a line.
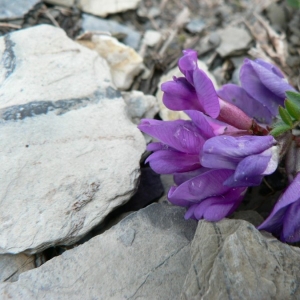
point(226, 146)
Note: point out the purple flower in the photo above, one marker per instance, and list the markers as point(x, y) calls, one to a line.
point(263, 90)
point(251, 157)
point(195, 91)
point(204, 194)
point(180, 141)
point(179, 147)
point(284, 220)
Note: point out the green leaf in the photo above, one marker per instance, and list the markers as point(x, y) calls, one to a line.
point(292, 109)
point(285, 116)
point(294, 97)
point(280, 130)
point(294, 3)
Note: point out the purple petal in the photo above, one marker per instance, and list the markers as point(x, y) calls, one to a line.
point(207, 126)
point(180, 135)
point(275, 220)
point(179, 201)
point(206, 93)
point(226, 151)
point(237, 96)
point(170, 161)
point(200, 187)
point(248, 171)
point(190, 212)
point(291, 224)
point(216, 208)
point(263, 85)
point(269, 67)
point(200, 120)
point(276, 84)
point(188, 63)
point(182, 177)
point(180, 95)
point(157, 146)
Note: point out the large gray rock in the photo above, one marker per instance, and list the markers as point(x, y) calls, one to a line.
point(11, 266)
point(14, 9)
point(145, 256)
point(69, 153)
point(233, 260)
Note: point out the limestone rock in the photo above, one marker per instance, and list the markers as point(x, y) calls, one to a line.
point(233, 41)
point(11, 266)
point(15, 9)
point(233, 260)
point(164, 112)
point(103, 7)
point(131, 37)
point(69, 153)
point(124, 62)
point(145, 256)
point(140, 105)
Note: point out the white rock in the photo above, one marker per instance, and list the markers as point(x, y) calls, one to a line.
point(152, 37)
point(124, 62)
point(140, 105)
point(164, 112)
point(68, 3)
point(69, 153)
point(233, 41)
point(11, 266)
point(103, 7)
point(145, 256)
point(14, 9)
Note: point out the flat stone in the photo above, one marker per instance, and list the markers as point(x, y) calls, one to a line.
point(14, 9)
point(196, 25)
point(67, 3)
point(233, 260)
point(140, 106)
point(132, 37)
point(165, 113)
point(145, 256)
point(124, 62)
point(233, 41)
point(152, 37)
point(12, 266)
point(69, 153)
point(102, 7)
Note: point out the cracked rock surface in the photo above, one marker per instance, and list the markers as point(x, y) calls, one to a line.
point(69, 153)
point(233, 260)
point(145, 256)
point(13, 265)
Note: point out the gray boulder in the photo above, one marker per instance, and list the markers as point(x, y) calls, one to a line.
point(145, 256)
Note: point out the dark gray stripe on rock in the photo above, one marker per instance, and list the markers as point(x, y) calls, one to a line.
point(8, 58)
point(31, 109)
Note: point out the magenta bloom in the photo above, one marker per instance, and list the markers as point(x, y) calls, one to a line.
point(213, 156)
point(205, 195)
point(251, 157)
point(284, 220)
point(180, 141)
point(195, 91)
point(262, 90)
